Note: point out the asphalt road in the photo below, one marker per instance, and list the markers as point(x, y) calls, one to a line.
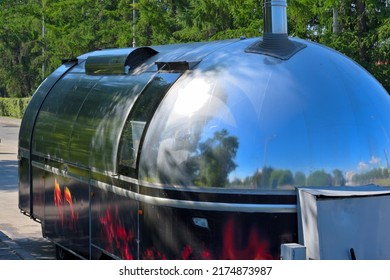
point(20, 237)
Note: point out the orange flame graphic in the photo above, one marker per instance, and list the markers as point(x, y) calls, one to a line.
point(68, 198)
point(59, 201)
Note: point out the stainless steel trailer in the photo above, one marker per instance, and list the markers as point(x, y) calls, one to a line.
point(195, 150)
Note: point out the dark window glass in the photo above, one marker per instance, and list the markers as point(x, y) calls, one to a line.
point(138, 119)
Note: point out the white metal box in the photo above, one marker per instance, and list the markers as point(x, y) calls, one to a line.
point(292, 251)
point(345, 222)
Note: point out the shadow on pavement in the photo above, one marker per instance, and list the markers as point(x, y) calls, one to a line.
point(39, 248)
point(32, 248)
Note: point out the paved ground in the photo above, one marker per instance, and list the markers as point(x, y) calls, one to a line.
point(20, 237)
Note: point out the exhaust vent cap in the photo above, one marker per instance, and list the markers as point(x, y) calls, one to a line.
point(276, 45)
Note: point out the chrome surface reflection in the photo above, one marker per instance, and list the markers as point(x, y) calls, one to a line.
point(243, 120)
point(81, 122)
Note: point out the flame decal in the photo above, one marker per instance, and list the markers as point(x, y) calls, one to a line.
point(256, 249)
point(120, 240)
point(253, 247)
point(68, 198)
point(206, 255)
point(187, 251)
point(236, 241)
point(115, 233)
point(153, 254)
point(188, 254)
point(59, 201)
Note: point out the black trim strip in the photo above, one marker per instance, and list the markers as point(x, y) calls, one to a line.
point(198, 205)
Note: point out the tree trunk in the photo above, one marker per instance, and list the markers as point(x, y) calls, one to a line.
point(362, 29)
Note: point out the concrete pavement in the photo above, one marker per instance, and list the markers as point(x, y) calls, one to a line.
point(20, 237)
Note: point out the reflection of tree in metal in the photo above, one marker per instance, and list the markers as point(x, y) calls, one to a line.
point(215, 160)
point(338, 178)
point(374, 176)
point(319, 178)
point(268, 177)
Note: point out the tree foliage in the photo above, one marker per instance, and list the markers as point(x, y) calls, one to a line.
point(35, 35)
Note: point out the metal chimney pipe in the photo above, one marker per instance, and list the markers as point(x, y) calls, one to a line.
point(275, 17)
point(275, 41)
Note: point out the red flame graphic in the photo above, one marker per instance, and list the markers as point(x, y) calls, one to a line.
point(256, 249)
point(116, 234)
point(234, 246)
point(206, 255)
point(153, 254)
point(188, 254)
point(185, 255)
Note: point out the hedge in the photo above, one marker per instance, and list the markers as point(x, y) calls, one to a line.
point(13, 107)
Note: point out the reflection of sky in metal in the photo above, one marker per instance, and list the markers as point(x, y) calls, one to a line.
point(315, 111)
point(196, 96)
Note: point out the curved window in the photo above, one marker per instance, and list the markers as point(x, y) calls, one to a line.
point(82, 117)
point(136, 123)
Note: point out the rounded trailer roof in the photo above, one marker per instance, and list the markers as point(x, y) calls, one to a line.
point(228, 117)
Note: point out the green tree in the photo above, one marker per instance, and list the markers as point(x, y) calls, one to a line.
point(362, 33)
point(157, 20)
point(20, 47)
point(215, 20)
point(75, 27)
point(35, 35)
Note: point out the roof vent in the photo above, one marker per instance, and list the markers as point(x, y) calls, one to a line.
point(108, 63)
point(175, 66)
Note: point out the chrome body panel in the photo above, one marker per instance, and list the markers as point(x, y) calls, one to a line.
point(315, 119)
point(275, 16)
